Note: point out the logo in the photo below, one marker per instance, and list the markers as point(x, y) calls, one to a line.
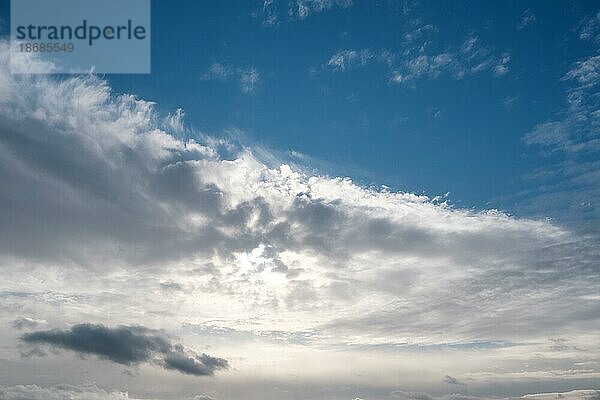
point(80, 36)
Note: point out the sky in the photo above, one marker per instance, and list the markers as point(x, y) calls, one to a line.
point(309, 199)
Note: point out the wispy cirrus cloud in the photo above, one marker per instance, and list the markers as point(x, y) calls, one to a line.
point(248, 78)
point(576, 129)
point(274, 12)
point(527, 19)
point(414, 62)
point(571, 184)
point(218, 71)
point(346, 59)
point(585, 72)
point(589, 28)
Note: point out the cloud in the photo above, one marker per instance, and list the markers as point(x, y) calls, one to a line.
point(72, 392)
point(61, 392)
point(99, 184)
point(197, 365)
point(570, 182)
point(171, 286)
point(128, 345)
point(414, 62)
point(203, 397)
point(510, 101)
point(218, 71)
point(585, 72)
point(502, 67)
point(451, 380)
point(527, 18)
point(578, 129)
point(248, 78)
point(273, 12)
point(174, 122)
point(419, 33)
point(94, 392)
point(572, 395)
point(26, 323)
point(345, 59)
point(589, 28)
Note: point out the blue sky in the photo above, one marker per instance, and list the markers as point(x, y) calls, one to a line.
point(224, 223)
point(437, 133)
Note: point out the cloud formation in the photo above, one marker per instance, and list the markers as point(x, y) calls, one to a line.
point(134, 193)
point(25, 323)
point(191, 231)
point(128, 345)
point(589, 28)
point(72, 392)
point(572, 395)
point(61, 392)
point(572, 183)
point(247, 78)
point(415, 62)
point(273, 12)
point(527, 18)
point(451, 380)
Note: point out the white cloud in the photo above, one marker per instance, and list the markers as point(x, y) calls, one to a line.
point(273, 12)
point(93, 392)
point(218, 71)
point(578, 128)
point(248, 78)
point(345, 59)
point(586, 72)
point(572, 395)
point(60, 392)
point(174, 122)
point(103, 203)
point(72, 392)
point(502, 67)
point(569, 183)
point(414, 62)
point(589, 28)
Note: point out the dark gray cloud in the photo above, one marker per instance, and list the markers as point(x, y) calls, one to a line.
point(451, 380)
point(170, 286)
point(198, 365)
point(128, 345)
